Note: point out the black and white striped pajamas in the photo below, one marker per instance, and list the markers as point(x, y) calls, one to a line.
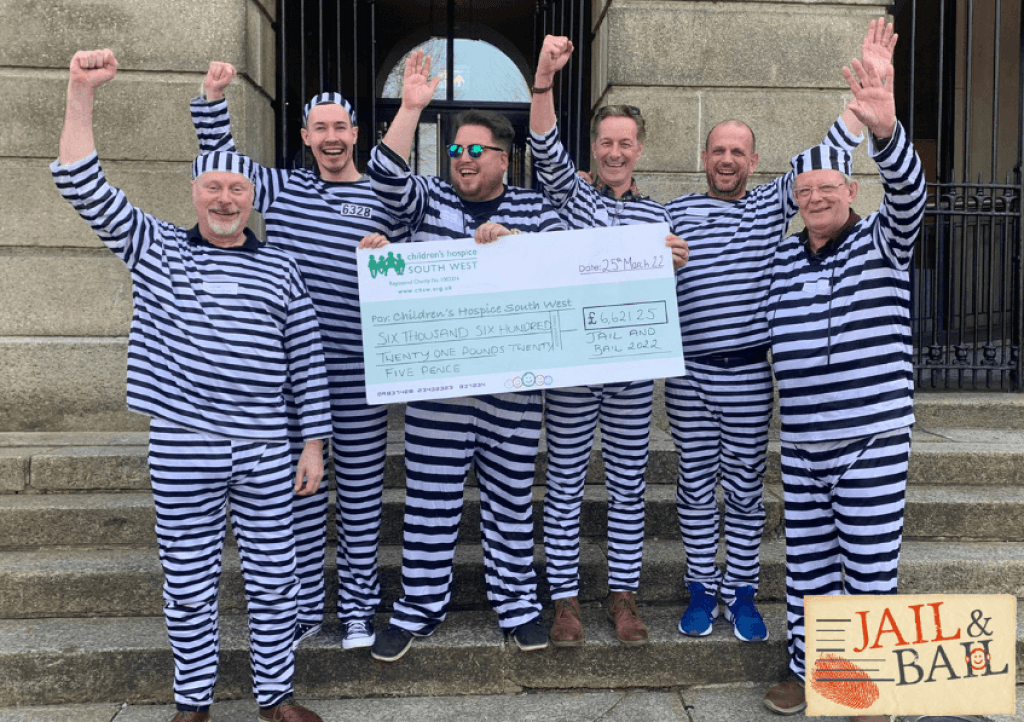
point(320, 223)
point(359, 451)
point(841, 345)
point(217, 334)
point(719, 412)
point(571, 415)
point(194, 477)
point(844, 521)
point(721, 418)
point(497, 434)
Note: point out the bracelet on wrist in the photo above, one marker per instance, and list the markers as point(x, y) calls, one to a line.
point(538, 91)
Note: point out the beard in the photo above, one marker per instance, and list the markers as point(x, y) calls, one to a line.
point(726, 186)
point(221, 225)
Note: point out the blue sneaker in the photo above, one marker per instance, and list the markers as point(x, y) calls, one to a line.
point(700, 615)
point(747, 623)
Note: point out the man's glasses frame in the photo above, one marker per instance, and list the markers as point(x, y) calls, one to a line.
point(475, 150)
point(827, 190)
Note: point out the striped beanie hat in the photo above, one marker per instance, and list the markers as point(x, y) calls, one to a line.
point(823, 157)
point(224, 160)
point(327, 99)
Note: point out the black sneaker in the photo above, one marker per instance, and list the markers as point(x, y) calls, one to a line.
point(531, 636)
point(391, 644)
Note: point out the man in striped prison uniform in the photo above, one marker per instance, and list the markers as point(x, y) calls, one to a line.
point(719, 412)
point(839, 315)
point(221, 324)
point(320, 219)
point(624, 409)
point(496, 434)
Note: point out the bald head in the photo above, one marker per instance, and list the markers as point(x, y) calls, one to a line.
point(736, 125)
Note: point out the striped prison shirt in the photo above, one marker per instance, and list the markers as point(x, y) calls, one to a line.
point(216, 333)
point(578, 202)
point(840, 320)
point(724, 286)
point(320, 223)
point(433, 211)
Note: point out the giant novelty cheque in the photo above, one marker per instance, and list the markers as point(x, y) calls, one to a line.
point(455, 318)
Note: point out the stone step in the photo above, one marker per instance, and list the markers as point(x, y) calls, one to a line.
point(969, 410)
point(698, 703)
point(128, 581)
point(90, 462)
point(77, 661)
point(693, 704)
point(991, 512)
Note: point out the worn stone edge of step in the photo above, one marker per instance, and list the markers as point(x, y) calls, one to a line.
point(127, 581)
point(992, 512)
point(102, 660)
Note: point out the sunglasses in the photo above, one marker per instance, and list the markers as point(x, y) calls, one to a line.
point(475, 151)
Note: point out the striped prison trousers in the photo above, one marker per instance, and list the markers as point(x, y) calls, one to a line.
point(571, 416)
point(359, 444)
point(844, 521)
point(194, 477)
point(719, 421)
point(498, 437)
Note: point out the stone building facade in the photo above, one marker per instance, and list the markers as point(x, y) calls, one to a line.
point(65, 302)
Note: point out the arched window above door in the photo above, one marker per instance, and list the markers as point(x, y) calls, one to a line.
point(482, 72)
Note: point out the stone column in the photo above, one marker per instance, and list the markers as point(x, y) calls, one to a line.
point(65, 301)
point(689, 65)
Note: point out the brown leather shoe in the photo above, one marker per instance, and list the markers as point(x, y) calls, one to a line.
point(788, 697)
point(629, 628)
point(289, 711)
point(567, 631)
point(183, 716)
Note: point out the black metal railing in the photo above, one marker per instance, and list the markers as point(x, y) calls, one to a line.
point(967, 288)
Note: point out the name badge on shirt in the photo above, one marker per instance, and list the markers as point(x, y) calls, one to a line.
point(221, 288)
point(819, 286)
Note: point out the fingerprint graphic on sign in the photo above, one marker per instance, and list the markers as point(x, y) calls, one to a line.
point(843, 682)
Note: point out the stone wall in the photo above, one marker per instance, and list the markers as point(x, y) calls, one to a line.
point(689, 65)
point(65, 299)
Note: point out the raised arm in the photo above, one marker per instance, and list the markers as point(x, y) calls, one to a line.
point(554, 54)
point(417, 92)
point(89, 70)
point(876, 52)
point(874, 103)
point(210, 112)
point(903, 204)
point(127, 231)
point(212, 123)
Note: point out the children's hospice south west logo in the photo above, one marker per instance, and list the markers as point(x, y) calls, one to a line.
point(391, 262)
point(910, 654)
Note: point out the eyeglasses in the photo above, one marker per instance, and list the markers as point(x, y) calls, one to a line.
point(475, 151)
point(828, 190)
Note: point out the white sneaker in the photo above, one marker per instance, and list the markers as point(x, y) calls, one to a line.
point(358, 633)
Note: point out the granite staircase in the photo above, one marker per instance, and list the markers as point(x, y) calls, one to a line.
point(80, 602)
